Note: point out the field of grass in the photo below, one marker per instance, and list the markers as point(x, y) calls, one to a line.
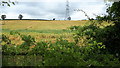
point(41, 30)
point(39, 25)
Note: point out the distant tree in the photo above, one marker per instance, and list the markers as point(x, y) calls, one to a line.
point(20, 17)
point(53, 18)
point(3, 17)
point(92, 18)
point(69, 18)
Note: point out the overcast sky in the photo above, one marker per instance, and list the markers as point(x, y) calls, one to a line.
point(49, 9)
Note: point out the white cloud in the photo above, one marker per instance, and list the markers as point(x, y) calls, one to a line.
point(48, 9)
point(58, 0)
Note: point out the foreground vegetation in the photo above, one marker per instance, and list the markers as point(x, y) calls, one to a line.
point(83, 51)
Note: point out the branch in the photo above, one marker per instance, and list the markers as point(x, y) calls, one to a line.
point(8, 3)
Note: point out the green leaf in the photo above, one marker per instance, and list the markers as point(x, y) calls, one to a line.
point(13, 3)
point(8, 4)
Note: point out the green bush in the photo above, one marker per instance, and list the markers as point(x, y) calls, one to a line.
point(64, 53)
point(108, 35)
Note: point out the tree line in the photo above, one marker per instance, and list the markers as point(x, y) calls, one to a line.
point(4, 16)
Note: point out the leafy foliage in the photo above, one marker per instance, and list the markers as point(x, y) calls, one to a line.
point(63, 53)
point(114, 11)
point(110, 35)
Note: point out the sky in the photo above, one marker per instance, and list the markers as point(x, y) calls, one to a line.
point(49, 9)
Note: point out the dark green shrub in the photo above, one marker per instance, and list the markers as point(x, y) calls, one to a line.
point(64, 53)
point(110, 35)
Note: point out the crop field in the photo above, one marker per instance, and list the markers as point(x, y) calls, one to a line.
point(41, 30)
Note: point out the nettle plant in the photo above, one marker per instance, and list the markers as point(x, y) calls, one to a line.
point(28, 39)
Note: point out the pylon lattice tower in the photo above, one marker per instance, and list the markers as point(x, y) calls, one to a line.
point(67, 15)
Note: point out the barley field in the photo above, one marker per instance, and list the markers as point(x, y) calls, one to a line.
point(41, 30)
point(39, 25)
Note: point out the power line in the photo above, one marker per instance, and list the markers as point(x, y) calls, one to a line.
point(67, 14)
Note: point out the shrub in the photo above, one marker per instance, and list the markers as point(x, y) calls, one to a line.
point(64, 53)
